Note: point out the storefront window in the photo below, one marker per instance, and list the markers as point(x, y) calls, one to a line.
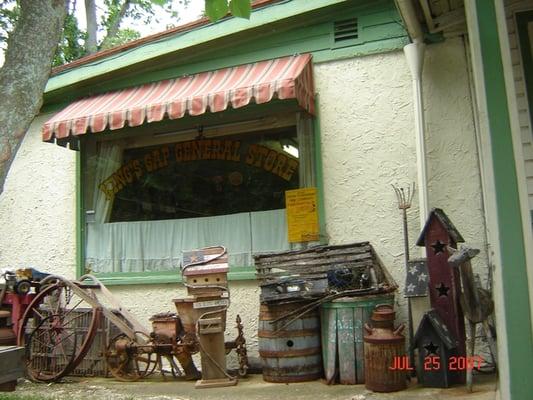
point(204, 177)
point(145, 204)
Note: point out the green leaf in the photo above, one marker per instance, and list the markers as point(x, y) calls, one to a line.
point(216, 9)
point(241, 8)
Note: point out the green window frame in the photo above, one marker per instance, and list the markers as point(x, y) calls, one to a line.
point(161, 277)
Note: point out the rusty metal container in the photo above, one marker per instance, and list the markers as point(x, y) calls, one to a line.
point(165, 327)
point(291, 353)
point(383, 346)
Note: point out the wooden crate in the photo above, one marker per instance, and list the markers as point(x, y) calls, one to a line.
point(11, 363)
point(330, 268)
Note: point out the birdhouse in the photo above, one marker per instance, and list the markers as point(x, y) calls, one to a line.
point(205, 271)
point(444, 281)
point(437, 352)
point(203, 312)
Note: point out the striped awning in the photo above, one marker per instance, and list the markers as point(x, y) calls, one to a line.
point(286, 78)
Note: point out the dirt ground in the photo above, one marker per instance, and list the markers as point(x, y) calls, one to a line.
point(252, 387)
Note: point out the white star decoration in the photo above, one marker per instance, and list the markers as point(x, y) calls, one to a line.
point(422, 277)
point(413, 270)
point(411, 287)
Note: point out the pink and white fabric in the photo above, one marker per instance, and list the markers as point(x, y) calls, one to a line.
point(287, 77)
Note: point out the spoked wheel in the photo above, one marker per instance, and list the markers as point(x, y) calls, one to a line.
point(57, 330)
point(130, 360)
point(50, 349)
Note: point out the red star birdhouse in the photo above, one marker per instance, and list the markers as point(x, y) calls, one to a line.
point(444, 282)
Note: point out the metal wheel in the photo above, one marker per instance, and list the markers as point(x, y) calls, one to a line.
point(57, 327)
point(50, 349)
point(128, 360)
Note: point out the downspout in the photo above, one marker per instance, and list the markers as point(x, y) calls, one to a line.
point(414, 54)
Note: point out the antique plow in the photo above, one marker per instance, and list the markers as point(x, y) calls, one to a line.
point(58, 328)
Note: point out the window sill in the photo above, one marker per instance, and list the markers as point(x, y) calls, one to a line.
point(144, 278)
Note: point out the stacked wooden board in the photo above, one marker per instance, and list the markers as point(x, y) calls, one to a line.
point(320, 271)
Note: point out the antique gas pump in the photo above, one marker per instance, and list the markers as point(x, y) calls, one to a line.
point(203, 311)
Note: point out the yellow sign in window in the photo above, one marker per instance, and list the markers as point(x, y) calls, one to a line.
point(302, 215)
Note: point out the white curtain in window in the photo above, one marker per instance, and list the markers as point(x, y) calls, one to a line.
point(158, 245)
point(109, 159)
point(269, 231)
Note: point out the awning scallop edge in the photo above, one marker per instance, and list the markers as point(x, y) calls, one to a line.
point(285, 78)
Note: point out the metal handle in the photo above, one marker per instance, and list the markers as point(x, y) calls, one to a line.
point(383, 306)
point(368, 329)
point(399, 329)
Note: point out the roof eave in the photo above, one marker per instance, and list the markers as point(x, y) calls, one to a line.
point(197, 33)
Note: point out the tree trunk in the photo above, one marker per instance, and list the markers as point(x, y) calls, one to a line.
point(28, 60)
point(92, 26)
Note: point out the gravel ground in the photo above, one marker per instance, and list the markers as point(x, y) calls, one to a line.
point(250, 388)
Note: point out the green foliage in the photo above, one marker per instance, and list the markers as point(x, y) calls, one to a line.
point(241, 8)
point(72, 44)
point(72, 41)
point(9, 13)
point(123, 36)
point(216, 9)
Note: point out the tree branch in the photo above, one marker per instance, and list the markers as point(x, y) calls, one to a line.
point(114, 24)
point(91, 45)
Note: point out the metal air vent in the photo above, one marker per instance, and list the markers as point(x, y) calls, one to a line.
point(345, 30)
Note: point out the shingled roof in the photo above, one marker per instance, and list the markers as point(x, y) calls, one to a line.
point(445, 221)
point(432, 319)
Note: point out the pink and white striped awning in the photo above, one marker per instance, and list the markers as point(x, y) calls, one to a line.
point(287, 77)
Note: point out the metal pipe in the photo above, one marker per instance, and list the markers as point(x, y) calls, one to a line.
point(414, 53)
point(408, 14)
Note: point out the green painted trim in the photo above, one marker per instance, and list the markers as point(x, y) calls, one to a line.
point(231, 115)
point(382, 46)
point(145, 278)
point(515, 282)
point(188, 39)
point(522, 20)
point(319, 56)
point(80, 220)
point(319, 174)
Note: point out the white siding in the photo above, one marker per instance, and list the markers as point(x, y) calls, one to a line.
point(511, 7)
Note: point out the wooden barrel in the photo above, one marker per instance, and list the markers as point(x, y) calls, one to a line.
point(293, 353)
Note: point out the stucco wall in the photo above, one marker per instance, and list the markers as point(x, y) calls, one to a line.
point(367, 142)
point(37, 207)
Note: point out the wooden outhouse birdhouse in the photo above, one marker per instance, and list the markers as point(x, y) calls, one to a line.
point(444, 281)
point(437, 352)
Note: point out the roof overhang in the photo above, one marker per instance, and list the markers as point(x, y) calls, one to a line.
point(197, 34)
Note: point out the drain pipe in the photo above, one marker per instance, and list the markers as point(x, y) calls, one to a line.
point(414, 53)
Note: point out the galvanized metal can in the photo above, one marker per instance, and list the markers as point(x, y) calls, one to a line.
point(384, 349)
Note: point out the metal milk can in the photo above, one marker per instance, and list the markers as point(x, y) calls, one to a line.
point(386, 363)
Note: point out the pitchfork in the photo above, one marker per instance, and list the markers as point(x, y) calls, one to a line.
point(405, 198)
